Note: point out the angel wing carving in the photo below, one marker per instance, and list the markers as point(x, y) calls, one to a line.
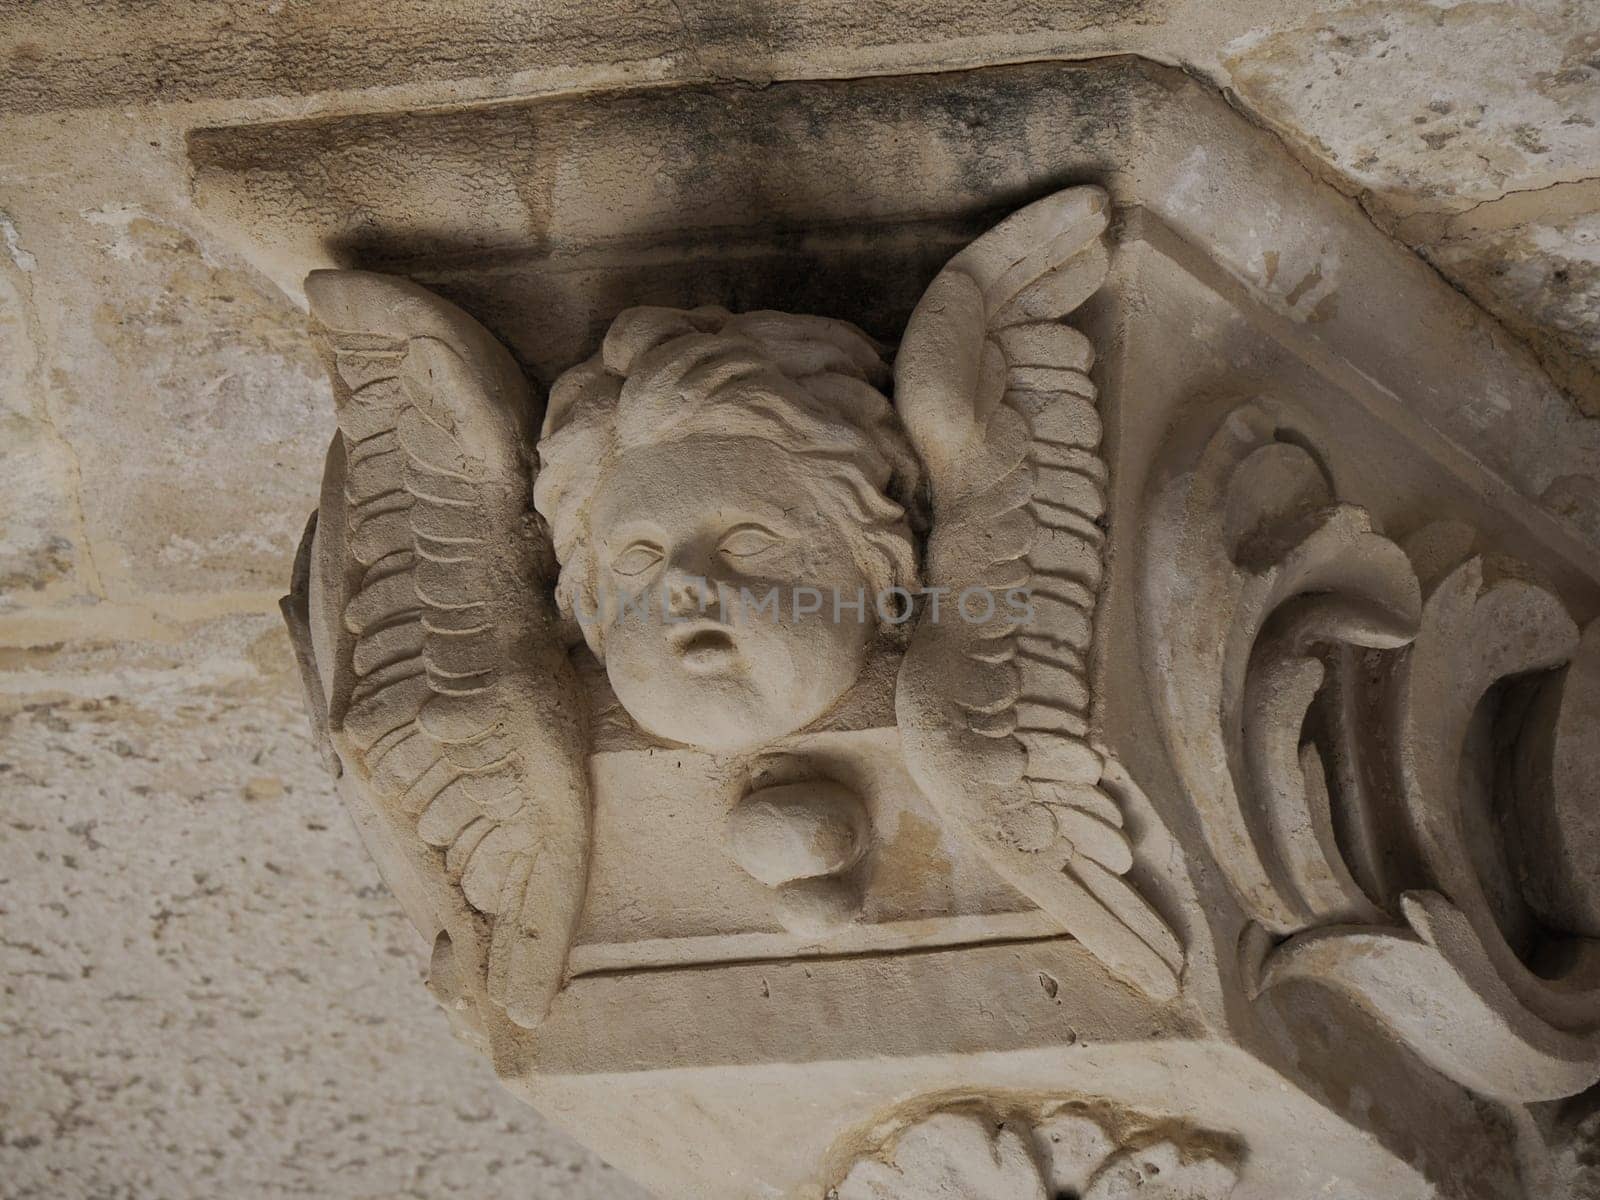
point(426, 624)
point(993, 711)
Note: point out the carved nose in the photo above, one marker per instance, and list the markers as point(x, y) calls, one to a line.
point(689, 595)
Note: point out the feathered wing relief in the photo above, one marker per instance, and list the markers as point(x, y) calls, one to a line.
point(449, 699)
point(993, 700)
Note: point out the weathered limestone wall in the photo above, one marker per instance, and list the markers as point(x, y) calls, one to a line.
point(1468, 129)
point(207, 990)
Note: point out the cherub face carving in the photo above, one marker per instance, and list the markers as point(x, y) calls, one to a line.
point(700, 530)
point(744, 481)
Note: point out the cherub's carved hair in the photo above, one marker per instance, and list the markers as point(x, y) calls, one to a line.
point(808, 384)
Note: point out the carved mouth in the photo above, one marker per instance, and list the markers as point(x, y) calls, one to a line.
point(704, 646)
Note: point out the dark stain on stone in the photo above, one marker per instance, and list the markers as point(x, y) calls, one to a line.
point(1529, 139)
point(838, 197)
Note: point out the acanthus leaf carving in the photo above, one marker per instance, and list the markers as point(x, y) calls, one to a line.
point(1494, 1022)
point(1434, 986)
point(1251, 568)
point(1354, 797)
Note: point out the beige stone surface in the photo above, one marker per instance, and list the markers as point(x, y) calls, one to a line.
point(1423, 106)
point(1472, 130)
point(206, 989)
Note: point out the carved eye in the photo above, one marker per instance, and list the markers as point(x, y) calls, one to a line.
point(636, 559)
point(747, 541)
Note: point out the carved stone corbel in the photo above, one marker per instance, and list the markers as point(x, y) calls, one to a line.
point(1252, 761)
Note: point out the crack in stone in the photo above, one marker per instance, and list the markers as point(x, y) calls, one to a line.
point(43, 412)
point(1508, 194)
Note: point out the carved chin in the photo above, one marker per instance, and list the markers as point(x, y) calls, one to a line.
point(720, 713)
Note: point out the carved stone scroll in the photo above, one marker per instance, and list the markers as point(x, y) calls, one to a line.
point(1514, 1004)
point(1253, 572)
point(1359, 757)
